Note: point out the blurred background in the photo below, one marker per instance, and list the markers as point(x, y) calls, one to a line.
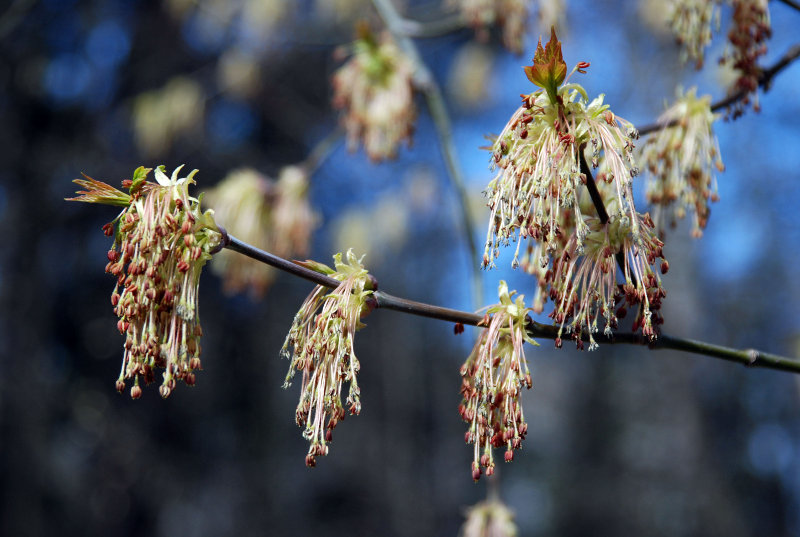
point(622, 441)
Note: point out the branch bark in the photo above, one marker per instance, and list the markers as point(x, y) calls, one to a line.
point(426, 83)
point(791, 3)
point(748, 357)
point(764, 81)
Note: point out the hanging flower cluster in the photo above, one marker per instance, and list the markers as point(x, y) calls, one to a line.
point(539, 156)
point(273, 215)
point(161, 242)
point(492, 378)
point(510, 16)
point(539, 194)
point(691, 22)
point(681, 160)
point(747, 43)
point(375, 91)
point(489, 518)
point(584, 287)
point(320, 345)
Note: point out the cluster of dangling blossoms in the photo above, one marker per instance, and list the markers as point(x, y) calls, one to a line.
point(542, 157)
point(374, 89)
point(274, 215)
point(320, 345)
point(489, 518)
point(161, 242)
point(691, 22)
point(492, 379)
point(681, 160)
point(747, 42)
point(510, 16)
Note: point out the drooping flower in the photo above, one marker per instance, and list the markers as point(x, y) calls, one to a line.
point(242, 203)
point(542, 193)
point(320, 345)
point(510, 16)
point(539, 154)
point(681, 161)
point(489, 518)
point(161, 242)
point(375, 91)
point(275, 216)
point(492, 379)
point(747, 43)
point(691, 22)
point(584, 286)
point(293, 218)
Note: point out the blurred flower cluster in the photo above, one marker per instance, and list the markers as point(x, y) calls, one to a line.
point(161, 242)
point(681, 160)
point(492, 378)
point(374, 90)
point(691, 22)
point(747, 43)
point(272, 215)
point(511, 17)
point(489, 518)
point(162, 115)
point(539, 195)
point(320, 345)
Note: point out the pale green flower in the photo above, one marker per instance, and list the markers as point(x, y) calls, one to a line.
point(681, 161)
point(492, 377)
point(320, 345)
point(161, 242)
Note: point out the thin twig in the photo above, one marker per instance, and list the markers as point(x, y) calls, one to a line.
point(232, 243)
point(764, 81)
point(425, 82)
point(437, 28)
point(791, 3)
point(322, 150)
point(597, 201)
point(748, 357)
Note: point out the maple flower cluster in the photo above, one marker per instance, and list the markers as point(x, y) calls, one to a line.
point(510, 15)
point(492, 379)
point(539, 191)
point(691, 22)
point(747, 43)
point(374, 88)
point(584, 287)
point(320, 345)
point(489, 518)
point(681, 160)
point(273, 215)
point(161, 242)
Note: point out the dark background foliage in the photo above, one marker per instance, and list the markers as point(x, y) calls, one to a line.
point(622, 441)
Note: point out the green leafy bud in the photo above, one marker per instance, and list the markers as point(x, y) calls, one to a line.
point(549, 69)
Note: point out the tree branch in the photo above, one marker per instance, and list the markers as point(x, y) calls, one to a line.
point(791, 3)
point(602, 213)
point(764, 81)
point(748, 357)
point(426, 83)
point(322, 150)
point(437, 28)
